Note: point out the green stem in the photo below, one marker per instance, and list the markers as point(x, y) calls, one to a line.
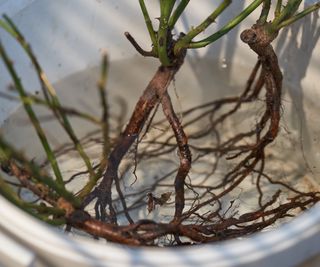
point(229, 26)
point(54, 222)
point(265, 12)
point(46, 86)
point(298, 16)
point(166, 7)
point(45, 210)
point(105, 129)
point(177, 13)
point(186, 40)
point(37, 211)
point(7, 192)
point(37, 173)
point(32, 116)
point(68, 128)
point(148, 22)
point(278, 8)
point(288, 11)
point(11, 28)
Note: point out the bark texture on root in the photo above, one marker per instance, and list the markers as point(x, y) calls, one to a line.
point(211, 226)
point(155, 93)
point(200, 216)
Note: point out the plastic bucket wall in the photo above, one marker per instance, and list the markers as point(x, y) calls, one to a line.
point(68, 37)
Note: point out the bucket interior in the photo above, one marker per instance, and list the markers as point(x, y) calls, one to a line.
point(215, 74)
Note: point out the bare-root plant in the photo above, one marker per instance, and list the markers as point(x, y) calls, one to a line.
point(199, 211)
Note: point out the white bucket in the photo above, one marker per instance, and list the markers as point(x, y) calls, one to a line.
point(68, 37)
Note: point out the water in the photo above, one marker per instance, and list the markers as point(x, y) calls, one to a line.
point(292, 158)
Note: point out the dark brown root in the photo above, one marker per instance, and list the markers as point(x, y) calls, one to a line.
point(205, 211)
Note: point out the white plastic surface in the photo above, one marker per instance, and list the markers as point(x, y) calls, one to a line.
point(68, 36)
point(287, 246)
point(14, 254)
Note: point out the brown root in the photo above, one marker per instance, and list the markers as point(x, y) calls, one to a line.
point(205, 211)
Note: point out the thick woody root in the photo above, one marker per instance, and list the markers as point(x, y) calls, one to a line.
point(214, 225)
point(206, 219)
point(184, 154)
point(155, 93)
